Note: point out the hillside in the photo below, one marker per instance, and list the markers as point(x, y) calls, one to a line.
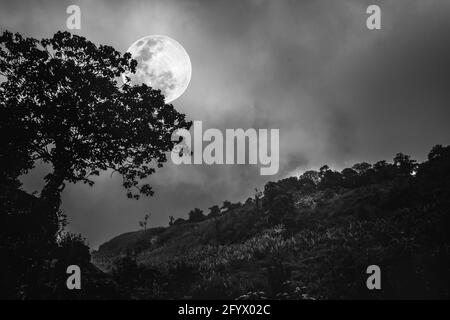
point(158, 245)
point(311, 236)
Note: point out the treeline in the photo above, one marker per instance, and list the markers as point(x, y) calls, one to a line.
point(313, 236)
point(277, 199)
point(197, 215)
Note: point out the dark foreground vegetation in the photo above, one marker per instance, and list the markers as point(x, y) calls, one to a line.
point(61, 105)
point(305, 237)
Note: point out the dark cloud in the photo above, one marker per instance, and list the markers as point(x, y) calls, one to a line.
point(338, 92)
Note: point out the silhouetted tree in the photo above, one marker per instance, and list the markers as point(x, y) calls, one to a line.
point(312, 175)
point(214, 211)
point(277, 202)
point(404, 164)
point(438, 151)
point(258, 196)
point(381, 171)
point(226, 205)
point(349, 177)
point(179, 221)
point(434, 177)
point(290, 183)
point(308, 181)
point(143, 223)
point(62, 94)
point(362, 167)
point(171, 220)
point(196, 215)
point(329, 179)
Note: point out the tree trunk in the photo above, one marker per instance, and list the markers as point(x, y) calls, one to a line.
point(51, 201)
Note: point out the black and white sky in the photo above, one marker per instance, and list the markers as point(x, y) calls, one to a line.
point(338, 92)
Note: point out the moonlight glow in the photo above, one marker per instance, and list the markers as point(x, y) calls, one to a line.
point(162, 64)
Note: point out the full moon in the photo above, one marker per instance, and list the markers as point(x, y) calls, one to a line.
point(163, 64)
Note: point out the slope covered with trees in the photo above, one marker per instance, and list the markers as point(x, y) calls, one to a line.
point(305, 237)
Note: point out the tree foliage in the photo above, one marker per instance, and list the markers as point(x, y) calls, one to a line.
point(61, 104)
point(196, 215)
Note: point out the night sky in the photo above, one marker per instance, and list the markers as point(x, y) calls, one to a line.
point(338, 92)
